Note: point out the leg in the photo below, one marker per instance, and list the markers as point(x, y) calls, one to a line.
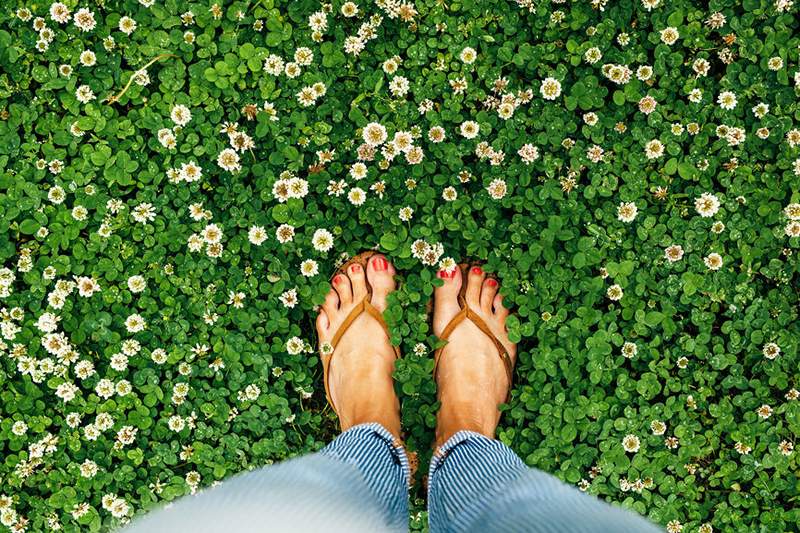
point(475, 482)
point(359, 482)
point(480, 484)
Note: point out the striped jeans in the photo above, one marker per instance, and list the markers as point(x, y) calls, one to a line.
point(359, 483)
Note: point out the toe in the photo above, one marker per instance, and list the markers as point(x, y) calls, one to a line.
point(380, 273)
point(341, 284)
point(323, 324)
point(488, 292)
point(445, 299)
point(500, 310)
point(474, 283)
point(358, 281)
point(331, 304)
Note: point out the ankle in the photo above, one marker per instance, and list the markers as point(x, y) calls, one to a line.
point(454, 417)
point(385, 413)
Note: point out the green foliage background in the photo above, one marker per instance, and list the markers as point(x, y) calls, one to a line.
point(575, 396)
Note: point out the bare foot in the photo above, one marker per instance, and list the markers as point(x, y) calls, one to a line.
point(471, 377)
point(360, 373)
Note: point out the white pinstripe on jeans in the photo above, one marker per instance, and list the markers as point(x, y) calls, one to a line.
point(479, 484)
point(359, 483)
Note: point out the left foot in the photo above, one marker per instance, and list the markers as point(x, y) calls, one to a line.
point(471, 378)
point(360, 372)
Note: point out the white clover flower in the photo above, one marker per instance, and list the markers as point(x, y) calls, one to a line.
point(176, 423)
point(47, 322)
point(180, 115)
point(84, 20)
point(626, 212)
point(289, 298)
point(374, 134)
point(88, 468)
point(135, 323)
point(358, 171)
point(252, 392)
point(792, 211)
point(405, 213)
point(771, 350)
point(322, 240)
point(84, 94)
point(127, 25)
point(713, 261)
point(629, 350)
point(309, 268)
point(19, 428)
point(468, 55)
point(87, 58)
point(87, 286)
point(66, 391)
point(190, 172)
point(136, 284)
point(631, 443)
point(357, 196)
point(727, 100)
point(673, 253)
point(669, 35)
point(257, 235)
point(614, 293)
point(497, 189)
point(228, 160)
point(59, 12)
point(707, 205)
point(295, 345)
point(284, 233)
point(399, 86)
point(654, 149)
point(550, 89)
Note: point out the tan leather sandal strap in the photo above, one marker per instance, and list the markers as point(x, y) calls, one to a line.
point(362, 307)
point(378, 316)
point(467, 313)
point(473, 317)
point(448, 330)
point(351, 317)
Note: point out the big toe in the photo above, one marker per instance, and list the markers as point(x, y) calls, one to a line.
point(380, 273)
point(445, 299)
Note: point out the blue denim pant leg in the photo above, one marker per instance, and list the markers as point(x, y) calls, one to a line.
point(479, 484)
point(359, 482)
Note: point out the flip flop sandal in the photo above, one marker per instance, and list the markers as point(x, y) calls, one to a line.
point(467, 313)
point(362, 307)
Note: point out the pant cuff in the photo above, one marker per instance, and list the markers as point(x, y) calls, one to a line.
point(440, 453)
point(373, 430)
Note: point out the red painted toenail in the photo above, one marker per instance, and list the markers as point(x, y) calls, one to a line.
point(355, 268)
point(380, 264)
point(492, 283)
point(441, 274)
point(337, 278)
point(477, 270)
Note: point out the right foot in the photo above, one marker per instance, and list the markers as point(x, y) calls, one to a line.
point(360, 372)
point(471, 377)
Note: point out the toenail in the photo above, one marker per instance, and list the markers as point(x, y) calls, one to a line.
point(441, 274)
point(477, 270)
point(380, 263)
point(355, 268)
point(337, 278)
point(490, 282)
